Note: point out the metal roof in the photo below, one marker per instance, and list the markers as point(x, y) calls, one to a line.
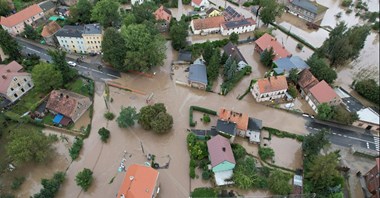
point(226, 127)
point(198, 73)
point(288, 63)
point(310, 6)
point(71, 31)
point(92, 29)
point(240, 23)
point(231, 12)
point(368, 115)
point(255, 124)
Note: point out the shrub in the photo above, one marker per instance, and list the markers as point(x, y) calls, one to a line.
point(227, 86)
point(283, 134)
point(84, 179)
point(204, 192)
point(201, 109)
point(206, 175)
point(346, 3)
point(192, 173)
point(75, 148)
point(206, 118)
point(266, 153)
point(238, 151)
point(17, 182)
point(293, 91)
point(299, 46)
point(51, 186)
point(109, 115)
point(87, 131)
point(104, 134)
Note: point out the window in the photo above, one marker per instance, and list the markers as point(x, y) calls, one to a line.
point(98, 41)
point(29, 85)
point(91, 42)
point(18, 84)
point(15, 95)
point(72, 42)
point(88, 42)
point(15, 79)
point(22, 89)
point(73, 46)
point(96, 47)
point(12, 89)
point(24, 79)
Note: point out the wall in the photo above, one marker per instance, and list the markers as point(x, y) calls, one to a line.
point(266, 96)
point(19, 28)
point(238, 30)
point(93, 42)
point(72, 44)
point(19, 86)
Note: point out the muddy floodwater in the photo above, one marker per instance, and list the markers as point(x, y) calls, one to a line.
point(288, 152)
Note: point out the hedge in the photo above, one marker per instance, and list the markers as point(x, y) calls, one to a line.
point(201, 109)
point(253, 81)
point(75, 148)
point(196, 49)
point(233, 2)
point(283, 134)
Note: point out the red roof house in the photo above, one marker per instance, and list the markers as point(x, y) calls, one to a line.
point(220, 153)
point(267, 41)
point(14, 24)
point(163, 13)
point(322, 93)
point(372, 179)
point(208, 25)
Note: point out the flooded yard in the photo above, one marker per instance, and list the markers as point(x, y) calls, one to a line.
point(288, 152)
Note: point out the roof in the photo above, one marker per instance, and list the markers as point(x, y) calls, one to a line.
point(219, 149)
point(297, 180)
point(8, 72)
point(67, 103)
point(20, 16)
point(310, 6)
point(241, 119)
point(163, 13)
point(351, 103)
point(207, 23)
point(307, 80)
point(288, 63)
point(322, 92)
point(231, 14)
point(255, 124)
point(55, 18)
point(71, 31)
point(271, 84)
point(267, 41)
point(197, 2)
point(368, 115)
point(139, 182)
point(226, 127)
point(212, 9)
point(198, 73)
point(372, 177)
point(184, 56)
point(239, 23)
point(92, 29)
point(46, 5)
point(232, 50)
point(50, 29)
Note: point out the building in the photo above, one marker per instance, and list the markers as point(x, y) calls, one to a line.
point(14, 83)
point(372, 180)
point(92, 37)
point(184, 57)
point(368, 119)
point(238, 27)
point(322, 93)
point(139, 182)
point(240, 119)
point(232, 51)
point(213, 12)
point(306, 81)
point(221, 158)
point(230, 14)
point(226, 128)
point(207, 25)
point(47, 7)
point(270, 88)
point(254, 130)
point(67, 106)
point(14, 24)
point(284, 65)
point(266, 42)
point(3, 56)
point(163, 15)
point(198, 75)
point(351, 103)
point(63, 11)
point(139, 2)
point(201, 4)
point(307, 9)
point(49, 31)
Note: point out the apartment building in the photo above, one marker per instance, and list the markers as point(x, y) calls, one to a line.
point(92, 37)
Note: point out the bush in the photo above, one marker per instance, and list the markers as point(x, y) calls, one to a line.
point(75, 148)
point(376, 26)
point(283, 134)
point(206, 175)
point(206, 118)
point(109, 115)
point(192, 173)
point(266, 153)
point(227, 86)
point(87, 131)
point(238, 151)
point(203, 192)
point(17, 182)
point(299, 46)
point(51, 186)
point(346, 3)
point(201, 109)
point(293, 91)
point(84, 179)
point(104, 134)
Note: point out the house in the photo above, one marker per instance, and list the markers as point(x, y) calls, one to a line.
point(284, 65)
point(207, 25)
point(163, 15)
point(322, 93)
point(14, 83)
point(92, 37)
point(198, 75)
point(200, 4)
point(47, 7)
point(226, 128)
point(254, 130)
point(372, 180)
point(306, 81)
point(63, 11)
point(351, 103)
point(232, 51)
point(14, 24)
point(221, 158)
point(368, 119)
point(266, 42)
point(240, 119)
point(184, 57)
point(139, 181)
point(67, 106)
point(139, 2)
point(213, 12)
point(238, 27)
point(230, 14)
point(307, 9)
point(270, 88)
point(49, 31)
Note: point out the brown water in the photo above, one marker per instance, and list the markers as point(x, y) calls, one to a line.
point(288, 152)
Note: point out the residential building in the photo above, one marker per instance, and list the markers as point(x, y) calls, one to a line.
point(63, 11)
point(232, 51)
point(284, 65)
point(207, 25)
point(163, 15)
point(372, 180)
point(47, 7)
point(14, 83)
point(139, 182)
point(226, 128)
point(270, 88)
point(67, 106)
point(184, 57)
point(240, 119)
point(213, 12)
point(266, 42)
point(198, 75)
point(368, 119)
point(230, 14)
point(254, 130)
point(14, 24)
point(351, 103)
point(307, 9)
point(92, 37)
point(201, 4)
point(238, 27)
point(306, 81)
point(49, 31)
point(221, 158)
point(322, 93)
point(70, 38)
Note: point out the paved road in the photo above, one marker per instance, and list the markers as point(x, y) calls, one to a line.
point(343, 136)
point(86, 69)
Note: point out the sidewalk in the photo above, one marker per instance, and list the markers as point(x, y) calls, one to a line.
point(347, 127)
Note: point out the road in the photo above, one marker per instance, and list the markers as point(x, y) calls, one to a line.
point(344, 136)
point(86, 69)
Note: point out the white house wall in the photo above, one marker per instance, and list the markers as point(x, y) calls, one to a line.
point(260, 97)
point(237, 30)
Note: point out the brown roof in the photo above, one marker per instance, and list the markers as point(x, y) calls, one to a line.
point(267, 41)
point(21, 16)
point(163, 13)
point(240, 119)
point(219, 149)
point(372, 177)
point(322, 92)
point(271, 84)
point(50, 29)
point(7, 73)
point(207, 23)
point(67, 103)
point(307, 80)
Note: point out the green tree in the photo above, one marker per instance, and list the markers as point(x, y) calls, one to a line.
point(267, 56)
point(279, 183)
point(268, 9)
point(104, 134)
point(149, 114)
point(234, 38)
point(293, 75)
point(357, 36)
point(266, 153)
point(51, 186)
point(46, 77)
point(109, 115)
point(30, 32)
point(144, 11)
point(232, 71)
point(106, 12)
point(84, 179)
point(179, 33)
point(369, 89)
point(81, 12)
point(162, 123)
point(245, 175)
point(325, 112)
point(127, 117)
point(129, 19)
point(213, 66)
point(5, 9)
point(27, 144)
point(9, 45)
point(321, 70)
point(238, 151)
point(204, 192)
point(292, 90)
point(59, 61)
point(340, 114)
point(313, 143)
point(208, 51)
point(114, 48)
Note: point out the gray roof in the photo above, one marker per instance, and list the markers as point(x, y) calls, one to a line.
point(198, 73)
point(288, 63)
point(184, 56)
point(255, 124)
point(239, 23)
point(71, 31)
point(233, 51)
point(308, 5)
point(351, 103)
point(226, 127)
point(92, 29)
point(230, 13)
point(47, 5)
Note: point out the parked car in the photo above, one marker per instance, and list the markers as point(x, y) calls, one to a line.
point(72, 64)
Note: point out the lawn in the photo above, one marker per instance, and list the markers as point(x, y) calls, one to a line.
point(48, 119)
point(80, 86)
point(27, 101)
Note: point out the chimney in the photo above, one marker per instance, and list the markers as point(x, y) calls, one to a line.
point(67, 96)
point(8, 70)
point(61, 95)
point(4, 76)
point(224, 149)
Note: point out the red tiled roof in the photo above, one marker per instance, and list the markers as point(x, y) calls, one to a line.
point(271, 84)
point(139, 182)
point(219, 149)
point(267, 41)
point(50, 29)
point(322, 92)
point(163, 14)
point(241, 119)
point(7, 73)
point(21, 16)
point(372, 177)
point(307, 79)
point(207, 23)
point(198, 2)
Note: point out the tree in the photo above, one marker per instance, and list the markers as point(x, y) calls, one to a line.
point(234, 38)
point(84, 179)
point(266, 153)
point(51, 186)
point(162, 123)
point(204, 192)
point(9, 45)
point(114, 48)
point(369, 89)
point(144, 50)
point(46, 77)
point(59, 61)
point(213, 66)
point(340, 114)
point(155, 117)
point(313, 143)
point(144, 12)
point(292, 90)
point(321, 70)
point(27, 144)
point(293, 75)
point(129, 19)
point(104, 134)
point(30, 32)
point(178, 33)
point(238, 151)
point(268, 9)
point(127, 117)
point(245, 175)
point(279, 183)
point(81, 12)
point(5, 9)
point(357, 36)
point(106, 12)
point(208, 51)
point(267, 56)
point(325, 111)
point(231, 70)
point(109, 115)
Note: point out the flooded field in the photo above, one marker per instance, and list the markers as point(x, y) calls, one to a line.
point(288, 152)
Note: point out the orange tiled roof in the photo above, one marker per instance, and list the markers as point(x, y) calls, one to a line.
point(322, 92)
point(207, 23)
point(267, 41)
point(139, 182)
point(274, 83)
point(307, 80)
point(50, 29)
point(163, 14)
point(241, 119)
point(21, 16)
point(198, 2)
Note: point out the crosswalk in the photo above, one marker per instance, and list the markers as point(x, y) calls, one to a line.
point(377, 142)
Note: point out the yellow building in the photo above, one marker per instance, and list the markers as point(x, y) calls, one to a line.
point(213, 12)
point(92, 37)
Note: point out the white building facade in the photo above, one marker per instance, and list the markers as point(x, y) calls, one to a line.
point(238, 27)
point(267, 89)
